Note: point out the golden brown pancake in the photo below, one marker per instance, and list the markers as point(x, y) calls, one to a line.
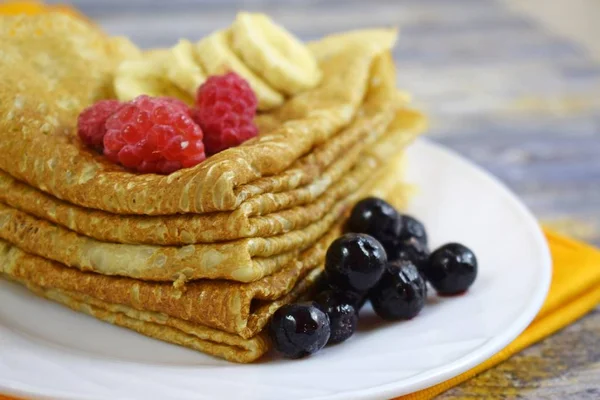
point(44, 105)
point(274, 202)
point(247, 221)
point(221, 318)
point(168, 329)
point(220, 304)
point(241, 234)
point(242, 260)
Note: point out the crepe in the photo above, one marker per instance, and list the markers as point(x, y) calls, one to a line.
point(221, 318)
point(52, 48)
point(202, 257)
point(230, 307)
point(186, 229)
point(38, 113)
point(242, 260)
point(222, 305)
point(261, 215)
point(168, 329)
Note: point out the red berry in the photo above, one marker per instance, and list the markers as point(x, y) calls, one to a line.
point(153, 135)
point(90, 123)
point(226, 110)
point(175, 103)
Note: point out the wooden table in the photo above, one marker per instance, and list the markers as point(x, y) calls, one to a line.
point(511, 96)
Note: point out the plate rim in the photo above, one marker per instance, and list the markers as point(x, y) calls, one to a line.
point(436, 375)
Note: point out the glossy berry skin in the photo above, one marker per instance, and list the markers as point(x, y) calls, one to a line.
point(376, 217)
point(343, 317)
point(411, 249)
point(355, 262)
point(451, 269)
point(362, 299)
point(412, 228)
point(356, 299)
point(298, 330)
point(401, 293)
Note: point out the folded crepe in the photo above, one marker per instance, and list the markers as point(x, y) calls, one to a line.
point(195, 228)
point(168, 329)
point(221, 318)
point(298, 216)
point(44, 98)
point(242, 260)
point(86, 233)
point(262, 215)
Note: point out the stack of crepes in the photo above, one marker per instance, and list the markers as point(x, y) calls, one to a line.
point(202, 257)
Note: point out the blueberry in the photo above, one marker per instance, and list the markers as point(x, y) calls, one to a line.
point(412, 228)
point(343, 317)
point(401, 293)
point(377, 218)
point(298, 330)
point(357, 299)
point(410, 249)
point(362, 299)
point(451, 269)
point(355, 262)
point(321, 284)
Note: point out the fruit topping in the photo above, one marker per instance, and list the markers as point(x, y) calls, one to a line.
point(357, 299)
point(343, 317)
point(271, 51)
point(358, 268)
point(213, 52)
point(298, 330)
point(413, 229)
point(149, 74)
point(91, 122)
point(153, 135)
point(376, 217)
point(409, 248)
point(183, 70)
point(451, 269)
point(175, 103)
point(226, 106)
point(355, 262)
point(401, 292)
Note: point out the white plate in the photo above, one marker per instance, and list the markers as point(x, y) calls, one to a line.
point(47, 350)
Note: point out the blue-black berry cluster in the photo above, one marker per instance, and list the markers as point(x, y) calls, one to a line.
point(383, 258)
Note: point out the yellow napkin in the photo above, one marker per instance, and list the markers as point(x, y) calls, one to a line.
point(575, 290)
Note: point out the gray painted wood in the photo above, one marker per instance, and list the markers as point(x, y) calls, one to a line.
point(517, 100)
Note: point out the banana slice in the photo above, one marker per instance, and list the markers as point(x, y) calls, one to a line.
point(147, 76)
point(183, 70)
point(379, 39)
point(216, 57)
point(123, 49)
point(273, 53)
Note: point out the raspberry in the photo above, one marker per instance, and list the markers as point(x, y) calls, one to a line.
point(180, 105)
point(153, 135)
point(226, 110)
point(90, 123)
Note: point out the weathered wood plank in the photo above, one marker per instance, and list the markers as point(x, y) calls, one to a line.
point(565, 366)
